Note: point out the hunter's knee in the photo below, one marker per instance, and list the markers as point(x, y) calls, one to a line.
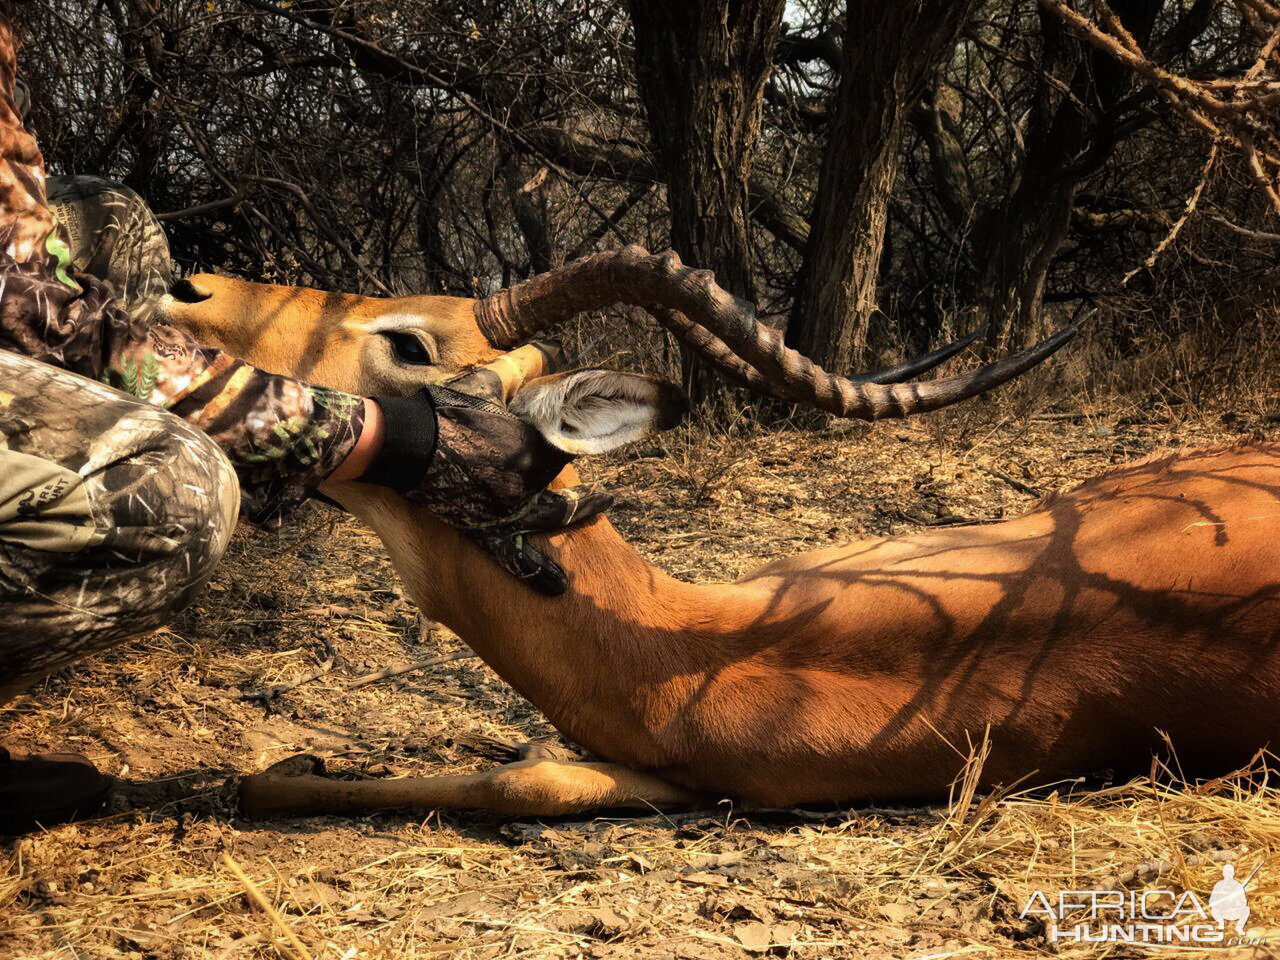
point(113, 516)
point(173, 498)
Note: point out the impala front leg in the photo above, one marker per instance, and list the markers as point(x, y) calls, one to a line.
point(538, 788)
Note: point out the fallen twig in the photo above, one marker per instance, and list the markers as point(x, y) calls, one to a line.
point(388, 672)
point(1053, 417)
point(242, 189)
point(952, 520)
point(1245, 231)
point(1013, 482)
point(265, 698)
point(1150, 869)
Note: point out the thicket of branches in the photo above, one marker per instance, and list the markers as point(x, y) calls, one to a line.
point(877, 176)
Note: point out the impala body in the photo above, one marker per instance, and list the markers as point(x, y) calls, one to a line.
point(1145, 602)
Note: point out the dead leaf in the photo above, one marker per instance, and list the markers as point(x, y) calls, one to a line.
point(606, 924)
point(897, 913)
point(754, 936)
point(468, 902)
point(708, 879)
point(785, 932)
point(710, 861)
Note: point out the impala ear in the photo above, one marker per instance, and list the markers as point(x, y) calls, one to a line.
point(594, 411)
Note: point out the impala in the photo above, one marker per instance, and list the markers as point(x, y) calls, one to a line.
point(1144, 603)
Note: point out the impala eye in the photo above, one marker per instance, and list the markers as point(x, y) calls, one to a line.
point(409, 349)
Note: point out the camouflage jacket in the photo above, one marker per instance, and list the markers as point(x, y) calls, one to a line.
point(283, 437)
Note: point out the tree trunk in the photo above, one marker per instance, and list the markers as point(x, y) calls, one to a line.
point(701, 66)
point(530, 216)
point(890, 51)
point(147, 47)
point(1018, 239)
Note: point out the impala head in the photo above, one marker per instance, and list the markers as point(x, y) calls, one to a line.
point(396, 345)
point(366, 345)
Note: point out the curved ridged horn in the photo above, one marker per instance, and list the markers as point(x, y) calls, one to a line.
point(716, 354)
point(921, 364)
point(724, 330)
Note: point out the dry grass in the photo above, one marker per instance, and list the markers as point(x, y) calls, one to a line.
point(159, 877)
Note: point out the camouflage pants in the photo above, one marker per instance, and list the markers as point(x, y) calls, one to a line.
point(113, 514)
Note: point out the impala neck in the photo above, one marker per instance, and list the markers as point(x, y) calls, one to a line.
point(609, 663)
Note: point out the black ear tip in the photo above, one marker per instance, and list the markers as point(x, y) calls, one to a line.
point(673, 404)
point(185, 291)
point(679, 398)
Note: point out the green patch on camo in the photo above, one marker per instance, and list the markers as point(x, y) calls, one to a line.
point(54, 246)
point(138, 381)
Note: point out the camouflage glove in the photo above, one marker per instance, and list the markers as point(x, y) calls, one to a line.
point(483, 471)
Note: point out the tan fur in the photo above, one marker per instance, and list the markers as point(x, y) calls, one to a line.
point(1147, 599)
point(1146, 602)
point(528, 788)
point(318, 336)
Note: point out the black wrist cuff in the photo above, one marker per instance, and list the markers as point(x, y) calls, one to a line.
point(408, 442)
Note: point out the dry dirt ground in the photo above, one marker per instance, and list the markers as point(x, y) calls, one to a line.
point(168, 716)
